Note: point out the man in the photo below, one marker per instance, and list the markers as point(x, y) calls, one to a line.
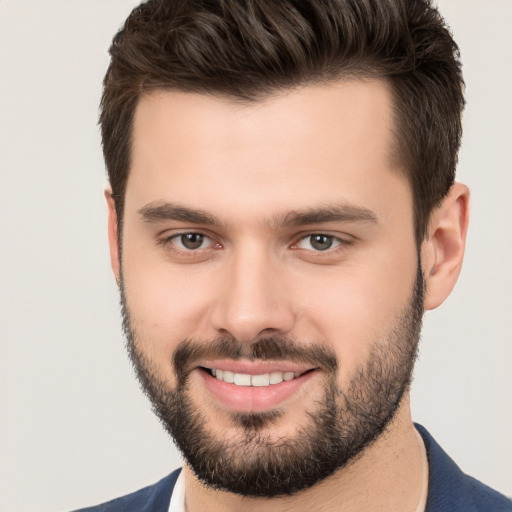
point(282, 211)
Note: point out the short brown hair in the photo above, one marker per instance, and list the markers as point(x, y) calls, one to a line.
point(247, 49)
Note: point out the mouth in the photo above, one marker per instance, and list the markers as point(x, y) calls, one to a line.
point(254, 386)
point(258, 380)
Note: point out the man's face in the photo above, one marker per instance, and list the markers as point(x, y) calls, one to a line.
point(273, 245)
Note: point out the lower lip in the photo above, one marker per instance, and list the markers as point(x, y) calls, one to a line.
point(253, 398)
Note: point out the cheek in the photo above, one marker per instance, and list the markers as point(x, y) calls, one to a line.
point(167, 303)
point(354, 308)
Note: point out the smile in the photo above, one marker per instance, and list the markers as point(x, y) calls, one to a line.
point(245, 386)
point(245, 379)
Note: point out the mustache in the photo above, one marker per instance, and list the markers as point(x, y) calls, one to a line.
point(277, 348)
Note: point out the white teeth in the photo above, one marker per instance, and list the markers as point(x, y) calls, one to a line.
point(241, 379)
point(228, 376)
point(244, 379)
point(260, 380)
point(276, 377)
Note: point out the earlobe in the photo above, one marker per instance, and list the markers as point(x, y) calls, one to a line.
point(443, 249)
point(113, 238)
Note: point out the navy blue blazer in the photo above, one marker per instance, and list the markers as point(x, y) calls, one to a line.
point(449, 489)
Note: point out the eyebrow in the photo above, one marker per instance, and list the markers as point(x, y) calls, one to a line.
point(169, 211)
point(336, 213)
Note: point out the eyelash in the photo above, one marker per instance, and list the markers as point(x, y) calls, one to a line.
point(169, 244)
point(336, 240)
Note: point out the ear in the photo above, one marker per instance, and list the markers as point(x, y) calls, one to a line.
point(113, 239)
point(443, 249)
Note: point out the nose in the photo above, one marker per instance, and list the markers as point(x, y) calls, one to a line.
point(254, 301)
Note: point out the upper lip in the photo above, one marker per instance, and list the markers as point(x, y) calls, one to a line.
point(254, 367)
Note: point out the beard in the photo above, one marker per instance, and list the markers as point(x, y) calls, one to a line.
point(337, 429)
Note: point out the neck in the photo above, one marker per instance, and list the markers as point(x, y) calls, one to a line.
point(387, 476)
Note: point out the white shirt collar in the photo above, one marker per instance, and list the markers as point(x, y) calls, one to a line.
point(177, 503)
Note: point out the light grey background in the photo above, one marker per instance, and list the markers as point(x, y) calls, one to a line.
point(75, 429)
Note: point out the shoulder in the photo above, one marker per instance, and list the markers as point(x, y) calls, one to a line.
point(486, 498)
point(452, 490)
point(154, 498)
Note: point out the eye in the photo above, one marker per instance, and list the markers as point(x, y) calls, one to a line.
point(191, 241)
point(318, 242)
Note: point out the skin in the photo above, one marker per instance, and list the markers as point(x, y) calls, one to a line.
point(249, 166)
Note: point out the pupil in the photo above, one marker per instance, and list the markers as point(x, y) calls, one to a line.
point(192, 240)
point(321, 242)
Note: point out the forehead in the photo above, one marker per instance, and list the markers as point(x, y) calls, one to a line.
point(315, 141)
